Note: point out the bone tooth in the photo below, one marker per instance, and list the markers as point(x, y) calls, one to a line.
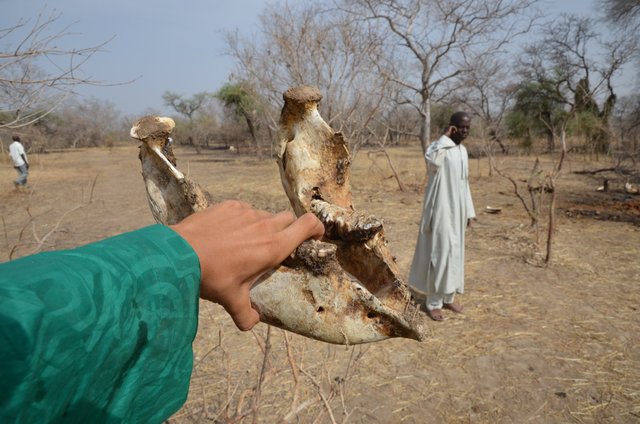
point(179, 175)
point(322, 253)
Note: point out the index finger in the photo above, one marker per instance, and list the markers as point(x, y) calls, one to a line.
point(306, 227)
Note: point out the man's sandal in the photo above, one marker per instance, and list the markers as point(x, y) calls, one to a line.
point(457, 308)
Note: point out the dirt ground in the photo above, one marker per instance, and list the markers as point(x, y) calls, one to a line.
point(557, 344)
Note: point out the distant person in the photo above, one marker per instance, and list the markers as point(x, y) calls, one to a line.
point(103, 333)
point(438, 261)
point(20, 162)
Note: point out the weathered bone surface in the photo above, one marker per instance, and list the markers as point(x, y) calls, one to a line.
point(342, 290)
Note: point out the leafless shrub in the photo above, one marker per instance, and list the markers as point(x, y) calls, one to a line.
point(36, 243)
point(29, 91)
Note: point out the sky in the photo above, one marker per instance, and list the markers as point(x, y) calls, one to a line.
point(162, 45)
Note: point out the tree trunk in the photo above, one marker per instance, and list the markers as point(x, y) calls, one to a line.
point(551, 142)
point(425, 127)
point(552, 205)
point(252, 131)
point(250, 126)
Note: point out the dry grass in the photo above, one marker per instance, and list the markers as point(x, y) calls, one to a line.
point(540, 345)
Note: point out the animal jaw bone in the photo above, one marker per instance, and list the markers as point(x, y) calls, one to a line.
point(314, 167)
point(172, 197)
point(311, 293)
point(155, 130)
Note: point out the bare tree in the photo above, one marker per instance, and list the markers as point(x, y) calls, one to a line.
point(562, 70)
point(303, 44)
point(89, 123)
point(489, 92)
point(624, 17)
point(189, 107)
point(627, 116)
point(565, 58)
point(431, 42)
point(186, 106)
point(36, 75)
point(625, 13)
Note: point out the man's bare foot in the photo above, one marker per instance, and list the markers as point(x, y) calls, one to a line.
point(435, 314)
point(457, 308)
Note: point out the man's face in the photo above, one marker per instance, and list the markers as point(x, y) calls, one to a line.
point(461, 130)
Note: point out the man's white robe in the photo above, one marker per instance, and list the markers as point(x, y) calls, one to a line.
point(438, 261)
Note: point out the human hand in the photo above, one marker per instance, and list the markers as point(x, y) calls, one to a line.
point(237, 244)
point(451, 131)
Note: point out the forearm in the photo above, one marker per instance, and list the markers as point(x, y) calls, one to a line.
point(102, 331)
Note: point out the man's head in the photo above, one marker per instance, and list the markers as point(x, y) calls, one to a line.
point(460, 123)
point(16, 138)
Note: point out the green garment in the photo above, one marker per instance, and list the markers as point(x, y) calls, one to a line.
point(101, 333)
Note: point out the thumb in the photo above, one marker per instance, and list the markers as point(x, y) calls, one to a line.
point(241, 311)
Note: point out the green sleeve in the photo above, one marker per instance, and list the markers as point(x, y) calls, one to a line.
point(101, 333)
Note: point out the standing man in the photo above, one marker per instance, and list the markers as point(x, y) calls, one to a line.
point(20, 162)
point(438, 261)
